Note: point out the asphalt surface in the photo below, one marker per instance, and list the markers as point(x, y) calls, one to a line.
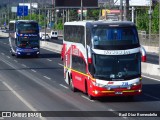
point(37, 84)
point(152, 58)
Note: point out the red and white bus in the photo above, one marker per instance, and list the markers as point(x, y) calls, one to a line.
point(102, 58)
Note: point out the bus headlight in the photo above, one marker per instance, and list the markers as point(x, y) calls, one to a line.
point(136, 83)
point(98, 84)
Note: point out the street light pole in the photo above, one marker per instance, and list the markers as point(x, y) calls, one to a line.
point(30, 9)
point(81, 10)
point(121, 10)
point(159, 33)
point(150, 22)
point(23, 9)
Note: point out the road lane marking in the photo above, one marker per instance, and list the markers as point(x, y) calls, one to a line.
point(24, 65)
point(49, 60)
point(151, 78)
point(87, 98)
point(151, 96)
point(63, 86)
point(33, 70)
point(56, 51)
point(15, 61)
point(21, 98)
point(8, 57)
point(2, 53)
point(47, 77)
point(60, 64)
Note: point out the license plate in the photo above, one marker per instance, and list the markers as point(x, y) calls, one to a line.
point(28, 53)
point(118, 93)
point(27, 50)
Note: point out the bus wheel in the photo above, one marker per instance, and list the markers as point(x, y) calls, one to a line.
point(17, 56)
point(12, 52)
point(89, 96)
point(71, 85)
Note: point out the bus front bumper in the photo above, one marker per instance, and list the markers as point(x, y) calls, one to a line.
point(101, 92)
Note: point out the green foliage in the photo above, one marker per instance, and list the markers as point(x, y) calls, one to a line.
point(155, 20)
point(58, 26)
point(93, 14)
point(36, 17)
point(143, 19)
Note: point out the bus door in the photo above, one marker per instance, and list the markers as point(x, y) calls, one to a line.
point(13, 41)
point(67, 61)
point(78, 69)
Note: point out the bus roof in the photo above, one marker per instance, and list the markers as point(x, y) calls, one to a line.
point(14, 21)
point(102, 22)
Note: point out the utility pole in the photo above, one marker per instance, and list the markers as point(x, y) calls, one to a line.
point(45, 22)
point(81, 10)
point(23, 9)
point(127, 9)
point(159, 33)
point(8, 11)
point(150, 20)
point(30, 8)
point(121, 10)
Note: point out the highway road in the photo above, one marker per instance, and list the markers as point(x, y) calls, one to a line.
point(37, 84)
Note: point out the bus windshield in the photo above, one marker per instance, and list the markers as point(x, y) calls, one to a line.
point(119, 67)
point(29, 42)
point(120, 37)
point(24, 28)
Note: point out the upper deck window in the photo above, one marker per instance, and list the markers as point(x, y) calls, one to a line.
point(114, 36)
point(23, 27)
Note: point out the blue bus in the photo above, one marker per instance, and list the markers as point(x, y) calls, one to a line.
point(24, 38)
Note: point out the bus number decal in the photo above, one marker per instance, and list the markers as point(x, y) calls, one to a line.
point(124, 83)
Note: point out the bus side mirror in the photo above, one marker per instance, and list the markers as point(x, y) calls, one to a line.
point(95, 40)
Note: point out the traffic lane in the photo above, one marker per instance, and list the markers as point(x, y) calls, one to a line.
point(152, 58)
point(45, 64)
point(139, 98)
point(151, 87)
point(94, 106)
point(69, 99)
point(10, 100)
point(43, 96)
point(58, 41)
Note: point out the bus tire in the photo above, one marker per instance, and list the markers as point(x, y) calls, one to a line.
point(86, 87)
point(17, 56)
point(71, 84)
point(12, 53)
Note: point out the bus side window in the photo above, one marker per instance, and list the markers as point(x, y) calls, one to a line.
point(88, 37)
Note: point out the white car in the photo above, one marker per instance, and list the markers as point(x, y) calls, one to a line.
point(54, 34)
point(45, 38)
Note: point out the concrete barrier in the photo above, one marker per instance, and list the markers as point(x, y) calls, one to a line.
point(51, 46)
point(151, 49)
point(3, 34)
point(147, 68)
